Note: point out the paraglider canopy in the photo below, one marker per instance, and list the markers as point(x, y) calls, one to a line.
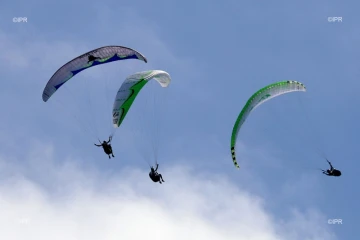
point(95, 57)
point(258, 98)
point(130, 89)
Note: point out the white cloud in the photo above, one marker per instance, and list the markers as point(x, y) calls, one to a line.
point(79, 202)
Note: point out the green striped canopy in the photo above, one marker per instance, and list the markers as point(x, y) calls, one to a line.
point(131, 88)
point(261, 96)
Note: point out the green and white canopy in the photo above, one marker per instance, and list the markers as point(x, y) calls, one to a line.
point(258, 98)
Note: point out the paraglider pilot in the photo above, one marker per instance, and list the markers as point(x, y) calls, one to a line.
point(107, 147)
point(332, 171)
point(155, 176)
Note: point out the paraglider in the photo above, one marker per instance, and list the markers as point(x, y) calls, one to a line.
point(332, 171)
point(90, 59)
point(95, 57)
point(126, 96)
point(258, 98)
point(107, 147)
point(155, 176)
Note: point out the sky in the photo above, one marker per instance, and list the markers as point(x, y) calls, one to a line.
point(54, 184)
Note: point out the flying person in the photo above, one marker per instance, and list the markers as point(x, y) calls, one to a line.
point(155, 176)
point(107, 147)
point(332, 171)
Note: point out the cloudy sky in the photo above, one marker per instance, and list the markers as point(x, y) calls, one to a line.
point(54, 184)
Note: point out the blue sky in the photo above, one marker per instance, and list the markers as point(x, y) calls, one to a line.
point(218, 54)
